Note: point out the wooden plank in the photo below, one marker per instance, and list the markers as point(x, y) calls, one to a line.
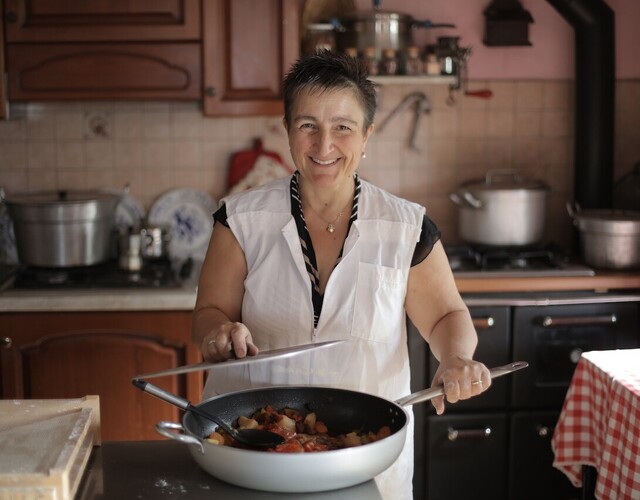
point(45, 446)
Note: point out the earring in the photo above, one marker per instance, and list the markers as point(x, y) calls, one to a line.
point(364, 155)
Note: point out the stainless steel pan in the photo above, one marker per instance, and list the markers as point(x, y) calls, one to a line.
point(341, 410)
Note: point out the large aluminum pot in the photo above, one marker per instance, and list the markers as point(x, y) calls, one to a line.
point(341, 410)
point(609, 239)
point(379, 29)
point(503, 209)
point(63, 228)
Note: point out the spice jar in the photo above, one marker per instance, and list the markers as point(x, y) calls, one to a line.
point(414, 65)
point(320, 36)
point(389, 63)
point(371, 61)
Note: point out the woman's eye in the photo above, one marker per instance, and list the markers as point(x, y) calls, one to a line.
point(344, 128)
point(307, 126)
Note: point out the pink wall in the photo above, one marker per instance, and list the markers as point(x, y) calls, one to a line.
point(549, 57)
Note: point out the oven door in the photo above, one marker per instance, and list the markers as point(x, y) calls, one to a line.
point(492, 327)
point(552, 338)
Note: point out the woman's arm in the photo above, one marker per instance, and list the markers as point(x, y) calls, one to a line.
point(436, 308)
point(217, 330)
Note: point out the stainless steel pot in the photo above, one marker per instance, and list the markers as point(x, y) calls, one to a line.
point(609, 239)
point(503, 209)
point(63, 228)
point(379, 29)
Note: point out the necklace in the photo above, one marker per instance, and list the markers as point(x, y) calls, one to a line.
point(331, 226)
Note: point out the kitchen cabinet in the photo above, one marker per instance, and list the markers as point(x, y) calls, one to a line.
point(248, 47)
point(104, 49)
point(3, 88)
point(68, 355)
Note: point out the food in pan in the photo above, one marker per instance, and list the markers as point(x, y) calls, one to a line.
point(302, 433)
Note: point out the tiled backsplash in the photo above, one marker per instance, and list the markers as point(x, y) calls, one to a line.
point(154, 147)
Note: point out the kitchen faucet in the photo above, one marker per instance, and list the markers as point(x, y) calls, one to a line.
point(422, 106)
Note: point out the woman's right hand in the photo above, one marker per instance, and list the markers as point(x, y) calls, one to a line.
point(230, 340)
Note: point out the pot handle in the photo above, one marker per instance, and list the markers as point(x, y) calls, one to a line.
point(465, 199)
point(573, 209)
point(428, 24)
point(175, 431)
point(488, 179)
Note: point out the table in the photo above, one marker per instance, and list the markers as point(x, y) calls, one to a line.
point(599, 425)
point(158, 470)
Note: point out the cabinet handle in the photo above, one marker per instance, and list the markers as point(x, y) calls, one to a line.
point(483, 323)
point(5, 342)
point(210, 91)
point(549, 321)
point(11, 17)
point(455, 434)
point(544, 430)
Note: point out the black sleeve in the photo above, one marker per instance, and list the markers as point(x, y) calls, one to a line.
point(428, 237)
point(220, 215)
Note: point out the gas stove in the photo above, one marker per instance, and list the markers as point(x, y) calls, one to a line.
point(476, 262)
point(153, 274)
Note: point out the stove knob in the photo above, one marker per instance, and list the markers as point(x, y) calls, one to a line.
point(574, 355)
point(5, 342)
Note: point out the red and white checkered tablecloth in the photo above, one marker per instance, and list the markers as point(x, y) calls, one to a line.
point(600, 423)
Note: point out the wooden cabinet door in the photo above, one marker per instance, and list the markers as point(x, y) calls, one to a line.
point(101, 20)
point(248, 47)
point(104, 71)
point(3, 89)
point(70, 355)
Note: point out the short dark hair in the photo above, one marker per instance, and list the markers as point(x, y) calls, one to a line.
point(325, 70)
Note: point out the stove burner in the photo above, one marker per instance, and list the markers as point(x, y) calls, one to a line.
point(154, 274)
point(548, 261)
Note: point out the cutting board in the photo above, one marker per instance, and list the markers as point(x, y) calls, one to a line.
point(45, 445)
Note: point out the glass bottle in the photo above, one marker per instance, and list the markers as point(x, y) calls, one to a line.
point(371, 61)
point(432, 65)
point(389, 63)
point(351, 52)
point(414, 65)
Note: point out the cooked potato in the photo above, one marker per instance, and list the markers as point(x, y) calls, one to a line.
point(247, 423)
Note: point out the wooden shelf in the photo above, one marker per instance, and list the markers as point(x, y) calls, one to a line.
point(414, 80)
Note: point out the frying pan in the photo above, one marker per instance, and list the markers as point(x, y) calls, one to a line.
point(341, 410)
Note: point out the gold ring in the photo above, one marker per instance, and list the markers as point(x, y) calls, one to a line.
point(477, 382)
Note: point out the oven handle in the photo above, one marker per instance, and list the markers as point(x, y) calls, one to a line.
point(483, 323)
point(550, 321)
point(455, 434)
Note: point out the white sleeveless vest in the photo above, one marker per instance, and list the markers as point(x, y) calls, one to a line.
point(363, 300)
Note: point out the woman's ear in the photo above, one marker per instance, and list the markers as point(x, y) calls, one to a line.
point(284, 124)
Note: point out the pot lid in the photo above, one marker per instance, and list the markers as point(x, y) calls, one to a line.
point(61, 197)
point(609, 215)
point(376, 15)
point(504, 180)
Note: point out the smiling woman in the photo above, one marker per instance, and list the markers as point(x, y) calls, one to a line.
point(324, 255)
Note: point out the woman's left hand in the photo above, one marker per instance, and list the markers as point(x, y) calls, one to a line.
point(461, 378)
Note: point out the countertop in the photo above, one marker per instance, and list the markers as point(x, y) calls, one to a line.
point(183, 298)
point(159, 470)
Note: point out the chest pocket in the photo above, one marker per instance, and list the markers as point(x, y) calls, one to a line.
point(379, 302)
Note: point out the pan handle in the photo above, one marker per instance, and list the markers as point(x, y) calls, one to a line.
point(427, 394)
point(175, 431)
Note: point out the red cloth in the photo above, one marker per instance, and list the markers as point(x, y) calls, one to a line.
point(600, 423)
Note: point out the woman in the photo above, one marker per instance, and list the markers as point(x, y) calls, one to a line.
point(325, 255)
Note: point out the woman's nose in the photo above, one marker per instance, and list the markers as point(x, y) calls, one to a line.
point(325, 142)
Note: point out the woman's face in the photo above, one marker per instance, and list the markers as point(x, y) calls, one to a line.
point(325, 136)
